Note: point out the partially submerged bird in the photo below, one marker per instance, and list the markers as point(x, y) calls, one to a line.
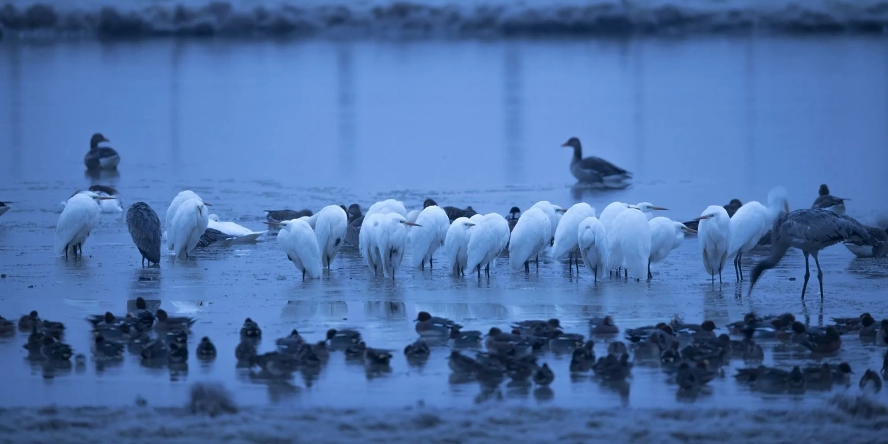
point(826, 201)
point(144, 227)
point(595, 170)
point(812, 231)
point(100, 157)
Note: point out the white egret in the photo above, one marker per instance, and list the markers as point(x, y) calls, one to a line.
point(189, 223)
point(633, 241)
point(456, 244)
point(240, 233)
point(298, 240)
point(592, 243)
point(607, 217)
point(330, 225)
point(666, 235)
point(487, 239)
point(174, 205)
point(412, 215)
point(367, 242)
point(529, 237)
point(78, 219)
point(391, 240)
point(432, 226)
point(648, 208)
point(110, 205)
point(714, 234)
point(750, 222)
point(567, 230)
point(100, 157)
point(387, 206)
point(144, 227)
point(610, 212)
point(552, 212)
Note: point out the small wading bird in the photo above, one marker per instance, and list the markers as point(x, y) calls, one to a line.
point(299, 242)
point(825, 201)
point(714, 234)
point(189, 224)
point(812, 231)
point(751, 222)
point(592, 243)
point(566, 233)
point(100, 157)
point(144, 227)
point(456, 245)
point(595, 170)
point(78, 219)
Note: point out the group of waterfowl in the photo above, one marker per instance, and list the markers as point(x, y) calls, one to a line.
point(691, 355)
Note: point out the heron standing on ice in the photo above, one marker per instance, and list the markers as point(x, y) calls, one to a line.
point(144, 227)
point(812, 231)
point(78, 219)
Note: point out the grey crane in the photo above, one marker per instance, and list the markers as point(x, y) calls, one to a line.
point(812, 231)
point(144, 227)
point(826, 201)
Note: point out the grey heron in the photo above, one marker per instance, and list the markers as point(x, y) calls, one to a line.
point(827, 201)
point(594, 169)
point(100, 157)
point(812, 231)
point(144, 227)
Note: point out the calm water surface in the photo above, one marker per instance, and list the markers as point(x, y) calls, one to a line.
point(302, 125)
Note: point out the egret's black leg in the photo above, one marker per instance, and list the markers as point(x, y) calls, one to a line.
point(807, 275)
point(527, 267)
point(650, 276)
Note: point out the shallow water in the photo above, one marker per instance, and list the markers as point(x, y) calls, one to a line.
point(255, 126)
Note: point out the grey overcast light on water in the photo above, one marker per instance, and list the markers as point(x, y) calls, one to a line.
point(256, 125)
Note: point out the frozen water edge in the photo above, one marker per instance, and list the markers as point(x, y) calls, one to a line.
point(849, 418)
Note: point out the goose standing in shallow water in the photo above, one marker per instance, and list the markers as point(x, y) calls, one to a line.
point(595, 169)
point(100, 157)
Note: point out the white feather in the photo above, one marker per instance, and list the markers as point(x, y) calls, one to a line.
point(301, 246)
point(592, 243)
point(714, 233)
point(429, 236)
point(634, 241)
point(78, 219)
point(529, 237)
point(174, 205)
point(487, 239)
point(568, 228)
point(189, 223)
point(456, 244)
point(330, 225)
point(391, 240)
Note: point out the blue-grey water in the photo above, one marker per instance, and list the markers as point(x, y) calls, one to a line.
point(256, 125)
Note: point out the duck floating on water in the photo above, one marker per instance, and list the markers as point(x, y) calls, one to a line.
point(100, 157)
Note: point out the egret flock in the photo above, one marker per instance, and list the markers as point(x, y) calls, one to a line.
point(624, 239)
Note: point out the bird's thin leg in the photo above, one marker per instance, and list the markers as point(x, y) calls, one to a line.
point(479, 271)
point(527, 267)
point(740, 265)
point(719, 276)
point(577, 262)
point(303, 275)
point(66, 252)
point(430, 264)
point(807, 275)
point(650, 276)
point(819, 273)
point(737, 266)
point(487, 270)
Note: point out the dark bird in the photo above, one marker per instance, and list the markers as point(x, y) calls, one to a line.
point(100, 157)
point(282, 215)
point(826, 201)
point(453, 213)
point(4, 207)
point(812, 231)
point(144, 227)
point(512, 218)
point(731, 207)
point(210, 236)
point(594, 169)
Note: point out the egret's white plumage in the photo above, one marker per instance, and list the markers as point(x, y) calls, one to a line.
point(714, 234)
point(750, 222)
point(611, 211)
point(241, 233)
point(299, 242)
point(666, 235)
point(412, 215)
point(529, 237)
point(456, 244)
point(429, 235)
point(329, 226)
point(78, 219)
point(189, 223)
point(391, 240)
point(111, 203)
point(367, 242)
point(568, 229)
point(592, 243)
point(551, 212)
point(387, 206)
point(633, 241)
point(648, 208)
point(174, 205)
point(487, 239)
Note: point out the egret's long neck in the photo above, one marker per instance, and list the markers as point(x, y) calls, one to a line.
point(775, 207)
